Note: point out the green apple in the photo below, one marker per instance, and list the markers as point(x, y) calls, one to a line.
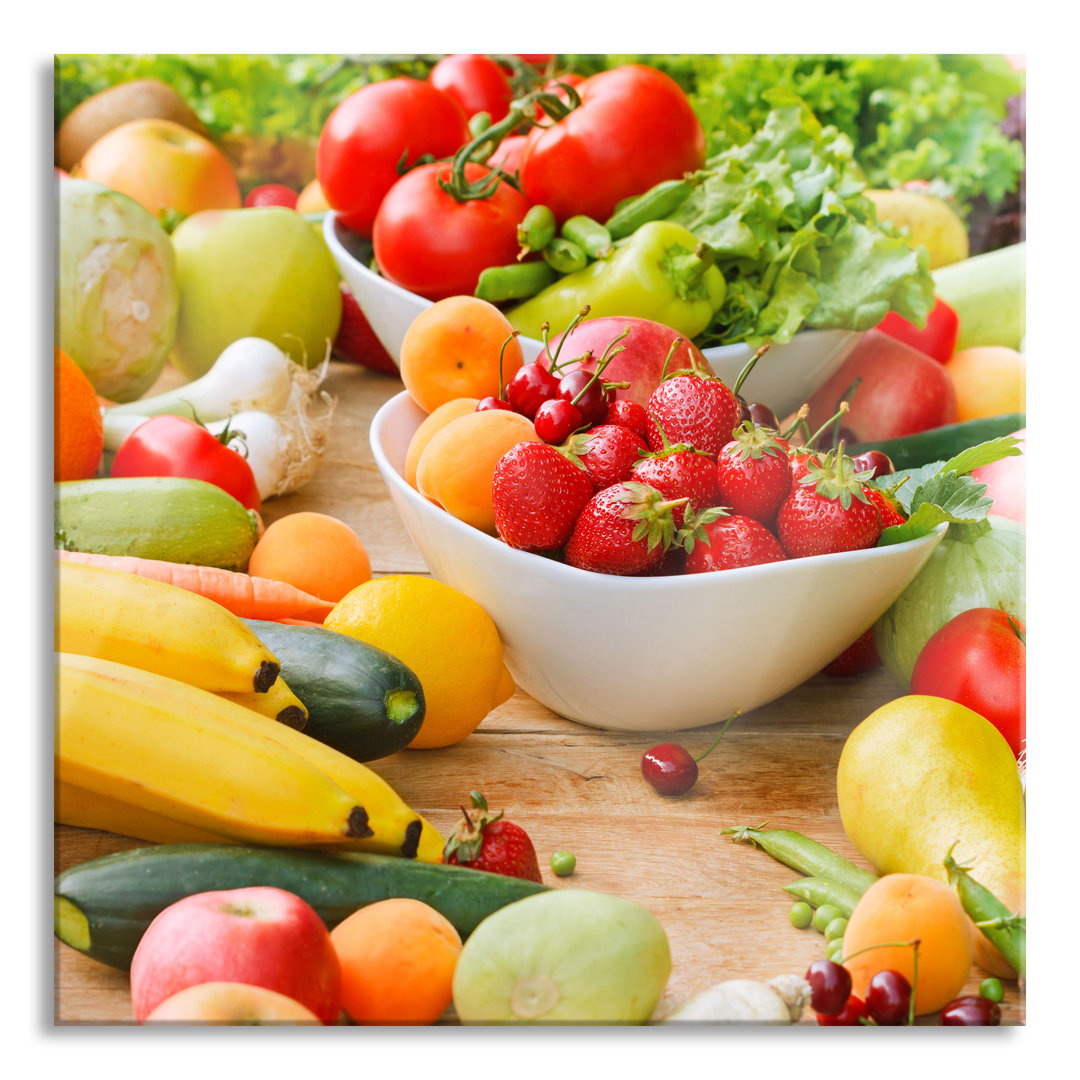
point(254, 272)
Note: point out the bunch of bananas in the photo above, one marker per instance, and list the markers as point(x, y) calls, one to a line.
point(172, 725)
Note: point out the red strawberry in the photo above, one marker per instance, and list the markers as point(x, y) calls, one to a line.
point(628, 413)
point(828, 511)
point(887, 507)
point(608, 453)
point(538, 493)
point(624, 529)
point(695, 409)
point(730, 542)
point(753, 473)
point(356, 342)
point(801, 459)
point(484, 841)
point(680, 472)
point(858, 657)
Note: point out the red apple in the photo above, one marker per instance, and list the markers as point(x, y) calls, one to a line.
point(1005, 483)
point(645, 349)
point(163, 166)
point(902, 391)
point(230, 1003)
point(260, 936)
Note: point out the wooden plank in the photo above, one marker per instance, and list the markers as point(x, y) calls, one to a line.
point(721, 904)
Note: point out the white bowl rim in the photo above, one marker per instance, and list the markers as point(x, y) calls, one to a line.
point(560, 570)
point(713, 352)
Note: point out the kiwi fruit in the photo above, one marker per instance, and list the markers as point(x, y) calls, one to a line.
point(137, 99)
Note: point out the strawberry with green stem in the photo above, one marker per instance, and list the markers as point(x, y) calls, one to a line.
point(486, 841)
point(753, 472)
point(679, 471)
point(608, 452)
point(728, 542)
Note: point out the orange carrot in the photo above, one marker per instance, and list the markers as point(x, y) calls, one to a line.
point(244, 595)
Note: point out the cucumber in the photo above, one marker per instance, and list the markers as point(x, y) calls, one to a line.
point(103, 907)
point(987, 292)
point(155, 517)
point(941, 443)
point(360, 699)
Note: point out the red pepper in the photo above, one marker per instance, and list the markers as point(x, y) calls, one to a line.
point(936, 339)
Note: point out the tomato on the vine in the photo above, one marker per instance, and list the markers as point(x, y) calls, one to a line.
point(979, 659)
point(428, 242)
point(377, 133)
point(508, 154)
point(634, 128)
point(476, 82)
point(170, 445)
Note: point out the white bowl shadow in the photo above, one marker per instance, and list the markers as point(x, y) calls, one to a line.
point(784, 378)
point(655, 653)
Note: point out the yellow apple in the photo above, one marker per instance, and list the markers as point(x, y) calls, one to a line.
point(230, 1003)
point(162, 165)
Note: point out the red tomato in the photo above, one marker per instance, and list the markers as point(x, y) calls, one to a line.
point(271, 195)
point(936, 339)
point(634, 128)
point(365, 139)
point(508, 154)
point(175, 446)
point(429, 243)
point(537, 59)
point(979, 659)
point(475, 82)
point(552, 87)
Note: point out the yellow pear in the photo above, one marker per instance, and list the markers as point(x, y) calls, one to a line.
point(929, 221)
point(922, 773)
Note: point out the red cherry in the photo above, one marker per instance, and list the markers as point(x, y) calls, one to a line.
point(888, 998)
point(759, 415)
point(880, 462)
point(579, 387)
point(830, 987)
point(492, 402)
point(849, 1016)
point(669, 768)
point(556, 420)
point(972, 1011)
point(531, 385)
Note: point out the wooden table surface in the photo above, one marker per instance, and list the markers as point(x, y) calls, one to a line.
point(572, 787)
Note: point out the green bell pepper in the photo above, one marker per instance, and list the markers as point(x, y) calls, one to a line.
point(661, 272)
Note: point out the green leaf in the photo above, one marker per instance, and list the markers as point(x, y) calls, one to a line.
point(985, 453)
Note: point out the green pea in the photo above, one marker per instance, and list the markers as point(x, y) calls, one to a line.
point(836, 929)
point(991, 989)
point(564, 256)
point(801, 915)
point(563, 863)
point(835, 950)
point(518, 281)
point(825, 915)
point(537, 229)
point(589, 235)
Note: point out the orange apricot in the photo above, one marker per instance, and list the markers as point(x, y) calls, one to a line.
point(397, 961)
point(455, 349)
point(456, 467)
point(433, 422)
point(901, 908)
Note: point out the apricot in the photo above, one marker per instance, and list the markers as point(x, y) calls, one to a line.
point(455, 349)
point(433, 422)
point(397, 961)
point(989, 380)
point(456, 467)
point(901, 908)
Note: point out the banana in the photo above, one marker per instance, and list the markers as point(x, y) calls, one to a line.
point(279, 703)
point(192, 757)
point(159, 627)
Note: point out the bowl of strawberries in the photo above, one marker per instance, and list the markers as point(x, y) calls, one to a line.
point(658, 566)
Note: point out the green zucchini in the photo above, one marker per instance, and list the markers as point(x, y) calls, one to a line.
point(103, 907)
point(360, 699)
point(155, 517)
point(941, 443)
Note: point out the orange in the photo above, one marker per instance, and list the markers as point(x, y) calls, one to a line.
point(314, 552)
point(452, 350)
point(78, 433)
point(899, 908)
point(433, 422)
point(397, 961)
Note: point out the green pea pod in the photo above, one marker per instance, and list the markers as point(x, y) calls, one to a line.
point(1004, 929)
point(656, 203)
point(564, 256)
point(821, 891)
point(518, 281)
point(537, 229)
point(805, 855)
point(589, 235)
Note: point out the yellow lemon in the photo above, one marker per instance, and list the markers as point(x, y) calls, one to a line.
point(447, 639)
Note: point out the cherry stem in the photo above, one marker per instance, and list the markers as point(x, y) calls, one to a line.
point(667, 360)
point(720, 736)
point(502, 385)
point(1016, 629)
point(562, 340)
point(914, 944)
point(748, 368)
point(846, 400)
point(800, 422)
point(843, 408)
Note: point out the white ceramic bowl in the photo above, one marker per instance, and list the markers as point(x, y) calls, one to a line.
point(648, 654)
point(782, 379)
